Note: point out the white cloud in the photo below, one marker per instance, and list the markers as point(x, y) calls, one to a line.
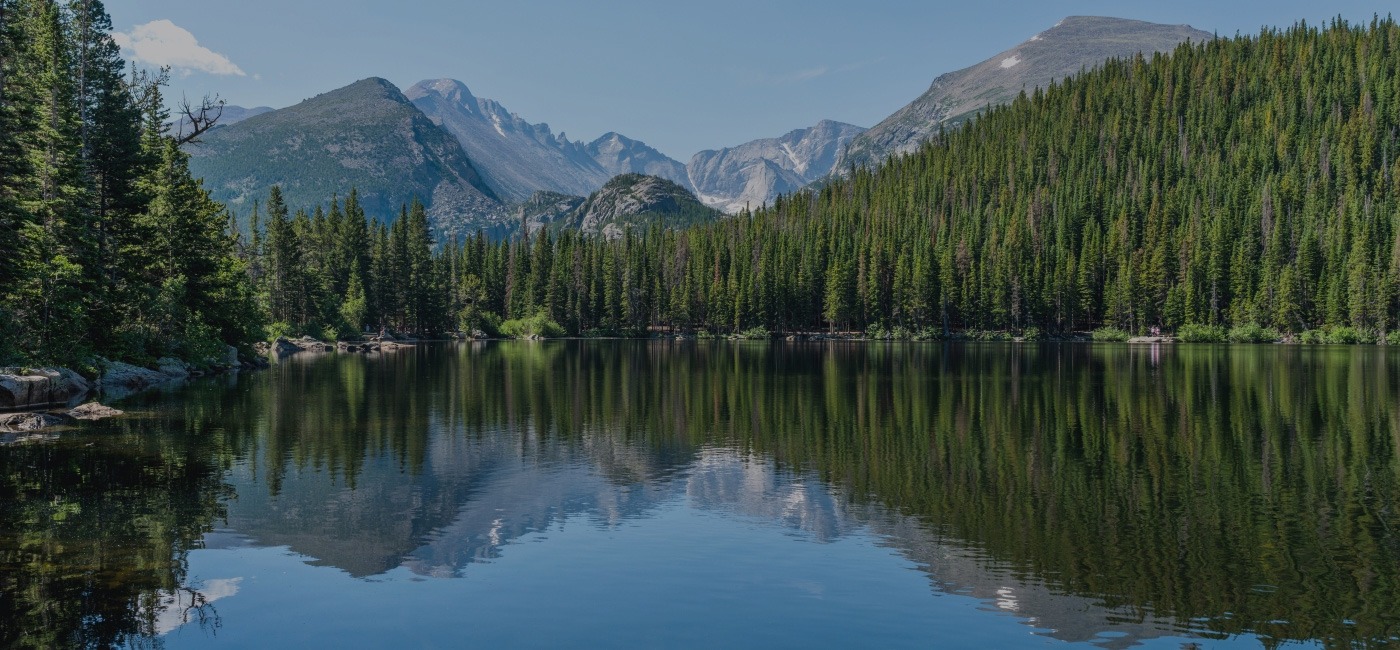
point(161, 42)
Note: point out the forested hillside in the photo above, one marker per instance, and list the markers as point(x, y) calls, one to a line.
point(1242, 181)
point(107, 244)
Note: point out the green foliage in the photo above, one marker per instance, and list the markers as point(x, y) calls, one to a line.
point(1345, 335)
point(537, 325)
point(280, 330)
point(1192, 333)
point(1393, 338)
point(754, 334)
point(1340, 335)
point(108, 245)
point(1111, 334)
point(1253, 333)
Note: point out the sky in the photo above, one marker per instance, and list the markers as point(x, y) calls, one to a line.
point(681, 77)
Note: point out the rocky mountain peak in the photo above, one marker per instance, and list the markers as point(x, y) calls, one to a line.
point(1073, 44)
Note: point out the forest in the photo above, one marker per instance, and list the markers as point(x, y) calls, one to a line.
point(107, 245)
point(1243, 187)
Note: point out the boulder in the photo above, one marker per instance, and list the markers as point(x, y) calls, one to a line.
point(282, 347)
point(29, 421)
point(173, 368)
point(231, 357)
point(30, 388)
point(93, 411)
point(123, 378)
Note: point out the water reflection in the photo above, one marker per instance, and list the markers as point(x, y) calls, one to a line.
point(1143, 491)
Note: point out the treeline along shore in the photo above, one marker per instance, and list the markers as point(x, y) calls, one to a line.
point(1241, 189)
point(1238, 189)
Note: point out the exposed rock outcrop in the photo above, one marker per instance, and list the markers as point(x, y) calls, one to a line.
point(34, 388)
point(93, 411)
point(29, 421)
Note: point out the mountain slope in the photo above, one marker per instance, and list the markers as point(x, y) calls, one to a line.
point(516, 158)
point(618, 154)
point(636, 199)
point(1073, 44)
point(366, 135)
point(754, 173)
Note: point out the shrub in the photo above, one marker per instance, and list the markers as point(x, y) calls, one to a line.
point(1349, 336)
point(754, 333)
point(928, 334)
point(1253, 333)
point(280, 330)
point(1033, 334)
point(1201, 334)
point(540, 325)
point(1111, 334)
point(1338, 336)
point(1393, 338)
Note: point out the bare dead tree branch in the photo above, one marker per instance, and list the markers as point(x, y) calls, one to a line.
point(198, 119)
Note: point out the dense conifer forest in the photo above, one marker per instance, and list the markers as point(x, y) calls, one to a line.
point(1247, 183)
point(107, 245)
point(1246, 186)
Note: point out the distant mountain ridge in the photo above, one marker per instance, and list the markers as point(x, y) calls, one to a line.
point(1071, 45)
point(518, 158)
point(754, 173)
point(366, 135)
point(333, 141)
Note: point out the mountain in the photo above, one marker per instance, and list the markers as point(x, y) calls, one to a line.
point(518, 158)
point(545, 209)
point(235, 114)
point(753, 173)
point(1073, 44)
point(515, 157)
point(366, 135)
point(618, 154)
point(636, 199)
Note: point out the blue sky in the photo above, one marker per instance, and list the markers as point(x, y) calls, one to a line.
point(679, 76)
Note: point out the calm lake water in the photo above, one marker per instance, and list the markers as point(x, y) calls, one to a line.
point(684, 494)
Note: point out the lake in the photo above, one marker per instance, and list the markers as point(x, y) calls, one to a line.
point(720, 494)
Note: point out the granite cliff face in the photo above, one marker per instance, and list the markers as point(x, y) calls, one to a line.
point(754, 173)
point(366, 135)
point(518, 158)
point(618, 154)
point(515, 157)
point(1073, 44)
point(636, 200)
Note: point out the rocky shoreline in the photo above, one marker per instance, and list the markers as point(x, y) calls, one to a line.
point(33, 398)
point(42, 397)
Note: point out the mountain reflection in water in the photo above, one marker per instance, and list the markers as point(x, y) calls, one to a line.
point(1148, 491)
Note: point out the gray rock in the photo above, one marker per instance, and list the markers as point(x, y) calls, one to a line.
point(282, 347)
point(93, 411)
point(29, 421)
point(514, 156)
point(39, 387)
point(231, 357)
point(173, 368)
point(754, 173)
point(119, 378)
